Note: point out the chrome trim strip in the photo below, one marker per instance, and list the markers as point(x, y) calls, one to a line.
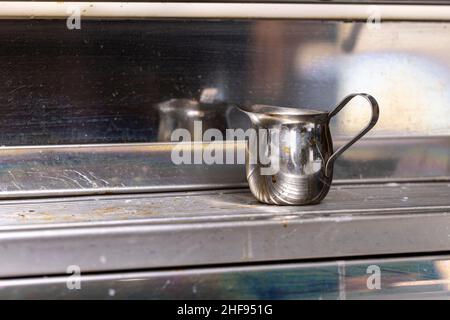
point(400, 278)
point(50, 10)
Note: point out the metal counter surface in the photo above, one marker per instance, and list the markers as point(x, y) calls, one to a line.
point(145, 231)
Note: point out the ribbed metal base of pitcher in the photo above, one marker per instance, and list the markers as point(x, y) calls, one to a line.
point(287, 189)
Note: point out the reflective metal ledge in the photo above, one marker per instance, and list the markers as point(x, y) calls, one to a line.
point(44, 237)
point(408, 278)
point(108, 169)
point(131, 168)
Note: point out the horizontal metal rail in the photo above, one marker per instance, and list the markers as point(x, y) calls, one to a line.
point(164, 230)
point(54, 9)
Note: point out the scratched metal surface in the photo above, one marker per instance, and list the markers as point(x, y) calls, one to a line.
point(408, 278)
point(132, 168)
point(218, 227)
point(108, 168)
point(343, 202)
point(101, 84)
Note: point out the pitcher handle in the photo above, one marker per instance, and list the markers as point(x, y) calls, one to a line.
point(373, 121)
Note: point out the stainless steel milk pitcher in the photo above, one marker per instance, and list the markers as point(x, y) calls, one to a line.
point(289, 158)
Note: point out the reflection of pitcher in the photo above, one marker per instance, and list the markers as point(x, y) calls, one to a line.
point(181, 113)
